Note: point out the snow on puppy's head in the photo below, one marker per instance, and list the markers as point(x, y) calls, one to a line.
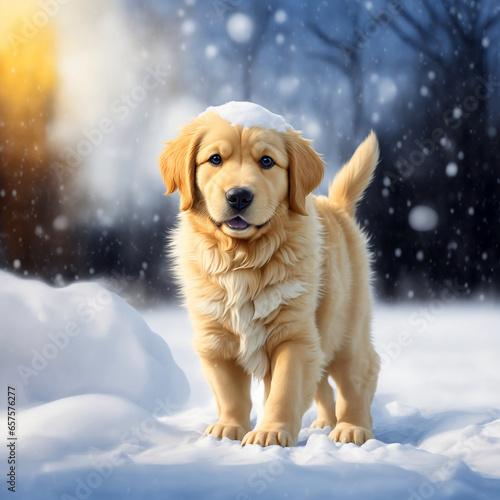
point(231, 135)
point(249, 114)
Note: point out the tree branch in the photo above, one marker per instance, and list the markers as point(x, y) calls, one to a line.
point(453, 16)
point(323, 36)
point(491, 21)
point(435, 17)
point(336, 61)
point(412, 22)
point(419, 45)
point(345, 48)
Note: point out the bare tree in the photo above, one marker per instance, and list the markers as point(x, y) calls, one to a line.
point(247, 51)
point(453, 40)
point(345, 54)
point(454, 36)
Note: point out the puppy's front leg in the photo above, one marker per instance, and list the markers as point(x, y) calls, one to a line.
point(295, 370)
point(231, 387)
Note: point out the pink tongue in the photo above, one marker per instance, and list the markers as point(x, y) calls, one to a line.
point(237, 223)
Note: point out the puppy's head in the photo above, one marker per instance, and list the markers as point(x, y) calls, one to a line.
point(231, 168)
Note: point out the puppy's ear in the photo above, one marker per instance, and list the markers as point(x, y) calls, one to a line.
point(305, 170)
point(178, 165)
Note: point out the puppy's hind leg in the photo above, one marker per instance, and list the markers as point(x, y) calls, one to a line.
point(355, 376)
point(325, 403)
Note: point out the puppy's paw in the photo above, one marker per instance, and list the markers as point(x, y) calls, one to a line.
point(236, 432)
point(321, 423)
point(348, 433)
point(267, 436)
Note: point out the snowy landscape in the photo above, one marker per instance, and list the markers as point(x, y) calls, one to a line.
point(104, 397)
point(105, 408)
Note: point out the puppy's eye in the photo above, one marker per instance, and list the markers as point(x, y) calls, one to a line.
point(266, 162)
point(215, 160)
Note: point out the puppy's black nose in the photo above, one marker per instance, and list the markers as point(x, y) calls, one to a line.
point(239, 198)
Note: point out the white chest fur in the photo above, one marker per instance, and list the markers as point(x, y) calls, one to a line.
point(245, 311)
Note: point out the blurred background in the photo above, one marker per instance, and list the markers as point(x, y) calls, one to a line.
point(90, 90)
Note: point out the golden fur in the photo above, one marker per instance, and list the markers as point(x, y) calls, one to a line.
point(286, 299)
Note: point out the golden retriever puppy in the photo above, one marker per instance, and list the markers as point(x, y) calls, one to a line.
point(276, 281)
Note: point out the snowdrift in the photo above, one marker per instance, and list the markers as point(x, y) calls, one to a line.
point(82, 339)
point(103, 410)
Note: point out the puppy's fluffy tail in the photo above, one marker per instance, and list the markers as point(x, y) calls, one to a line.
point(354, 177)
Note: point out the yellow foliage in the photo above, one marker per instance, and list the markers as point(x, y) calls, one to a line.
point(28, 77)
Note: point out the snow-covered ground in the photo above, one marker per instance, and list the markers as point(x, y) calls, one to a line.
point(103, 411)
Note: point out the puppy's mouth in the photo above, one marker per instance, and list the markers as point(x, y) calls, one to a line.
point(239, 224)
